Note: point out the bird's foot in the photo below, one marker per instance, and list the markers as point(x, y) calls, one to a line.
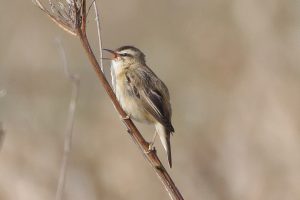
point(125, 118)
point(151, 144)
point(151, 148)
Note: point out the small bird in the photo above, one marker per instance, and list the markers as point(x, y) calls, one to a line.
point(142, 95)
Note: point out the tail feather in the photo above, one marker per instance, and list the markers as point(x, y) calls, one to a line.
point(164, 136)
point(169, 154)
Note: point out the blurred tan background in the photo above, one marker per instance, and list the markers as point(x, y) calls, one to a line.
point(233, 71)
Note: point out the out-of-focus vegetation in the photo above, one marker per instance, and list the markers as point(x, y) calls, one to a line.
point(233, 70)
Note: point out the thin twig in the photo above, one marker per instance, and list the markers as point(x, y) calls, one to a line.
point(74, 79)
point(90, 6)
point(99, 34)
point(2, 134)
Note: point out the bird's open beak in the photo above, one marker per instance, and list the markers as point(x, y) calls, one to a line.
point(112, 52)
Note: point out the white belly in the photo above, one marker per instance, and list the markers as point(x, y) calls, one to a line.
point(132, 106)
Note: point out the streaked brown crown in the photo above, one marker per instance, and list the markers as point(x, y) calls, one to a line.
point(131, 51)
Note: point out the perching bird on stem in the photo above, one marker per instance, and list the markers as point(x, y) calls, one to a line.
point(142, 95)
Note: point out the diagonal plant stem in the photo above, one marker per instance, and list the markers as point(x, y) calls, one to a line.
point(79, 28)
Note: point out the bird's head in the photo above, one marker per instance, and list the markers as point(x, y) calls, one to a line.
point(127, 55)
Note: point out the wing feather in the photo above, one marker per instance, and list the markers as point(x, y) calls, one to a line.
point(146, 90)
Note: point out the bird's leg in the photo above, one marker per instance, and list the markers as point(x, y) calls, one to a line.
point(125, 118)
point(151, 147)
point(152, 141)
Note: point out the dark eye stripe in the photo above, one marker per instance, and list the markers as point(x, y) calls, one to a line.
point(125, 55)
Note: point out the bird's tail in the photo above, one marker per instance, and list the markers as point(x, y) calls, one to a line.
point(164, 136)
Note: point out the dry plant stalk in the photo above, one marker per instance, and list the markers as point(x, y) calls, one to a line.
point(71, 16)
point(2, 134)
point(74, 80)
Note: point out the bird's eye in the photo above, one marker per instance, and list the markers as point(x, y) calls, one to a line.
point(124, 54)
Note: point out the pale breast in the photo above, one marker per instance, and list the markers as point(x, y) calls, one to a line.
point(131, 104)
